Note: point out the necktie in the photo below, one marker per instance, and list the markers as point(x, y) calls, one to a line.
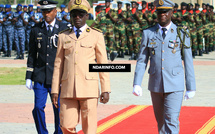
point(163, 34)
point(78, 33)
point(49, 30)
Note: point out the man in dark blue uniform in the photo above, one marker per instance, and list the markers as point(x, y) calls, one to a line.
point(40, 64)
point(19, 32)
point(1, 22)
point(8, 31)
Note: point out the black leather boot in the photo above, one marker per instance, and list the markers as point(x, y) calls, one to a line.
point(9, 54)
point(200, 52)
point(17, 57)
point(122, 53)
point(22, 56)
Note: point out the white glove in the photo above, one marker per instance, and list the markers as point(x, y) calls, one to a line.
point(29, 84)
point(137, 90)
point(189, 95)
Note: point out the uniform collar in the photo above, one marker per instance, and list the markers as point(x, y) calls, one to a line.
point(52, 24)
point(82, 28)
point(167, 27)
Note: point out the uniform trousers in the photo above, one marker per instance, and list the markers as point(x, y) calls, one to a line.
point(167, 108)
point(70, 110)
point(40, 95)
point(19, 37)
point(1, 36)
point(8, 37)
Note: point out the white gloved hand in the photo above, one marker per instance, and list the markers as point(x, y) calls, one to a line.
point(189, 95)
point(137, 90)
point(29, 84)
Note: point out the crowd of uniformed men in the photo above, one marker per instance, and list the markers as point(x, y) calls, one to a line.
point(129, 24)
point(122, 29)
point(15, 27)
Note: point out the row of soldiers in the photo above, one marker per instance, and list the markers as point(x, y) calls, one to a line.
point(123, 29)
point(15, 27)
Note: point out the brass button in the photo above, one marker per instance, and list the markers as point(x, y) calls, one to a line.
point(163, 51)
point(162, 59)
point(162, 42)
point(47, 54)
point(76, 52)
point(47, 63)
point(48, 46)
point(162, 68)
point(76, 74)
point(76, 63)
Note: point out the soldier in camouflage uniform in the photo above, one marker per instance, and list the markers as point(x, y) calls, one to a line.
point(19, 32)
point(152, 16)
point(106, 20)
point(199, 27)
point(192, 28)
point(181, 16)
point(205, 19)
point(128, 6)
point(133, 18)
point(144, 17)
point(1, 22)
point(175, 12)
point(210, 14)
point(213, 22)
point(120, 36)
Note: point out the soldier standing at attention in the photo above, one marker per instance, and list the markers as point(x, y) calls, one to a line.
point(133, 17)
point(120, 34)
point(30, 24)
point(78, 88)
point(162, 46)
point(152, 16)
point(25, 8)
point(1, 22)
point(210, 25)
point(181, 16)
point(192, 26)
point(38, 16)
point(144, 18)
point(106, 20)
point(8, 31)
point(212, 21)
point(175, 12)
point(128, 6)
point(40, 64)
point(205, 18)
point(19, 32)
point(198, 20)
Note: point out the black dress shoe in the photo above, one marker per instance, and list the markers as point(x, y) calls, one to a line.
point(132, 57)
point(113, 55)
point(17, 57)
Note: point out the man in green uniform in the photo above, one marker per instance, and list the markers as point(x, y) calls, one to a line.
point(106, 20)
point(152, 16)
point(210, 25)
point(213, 20)
point(120, 36)
point(133, 18)
point(175, 12)
point(144, 17)
point(181, 16)
point(192, 28)
point(205, 20)
point(199, 27)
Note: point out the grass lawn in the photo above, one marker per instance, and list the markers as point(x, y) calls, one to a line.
point(12, 76)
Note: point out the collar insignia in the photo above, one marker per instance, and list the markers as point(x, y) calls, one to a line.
point(88, 29)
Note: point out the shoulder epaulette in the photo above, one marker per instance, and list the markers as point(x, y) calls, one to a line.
point(97, 29)
point(64, 30)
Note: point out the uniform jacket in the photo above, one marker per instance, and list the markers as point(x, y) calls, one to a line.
point(42, 52)
point(71, 68)
point(166, 72)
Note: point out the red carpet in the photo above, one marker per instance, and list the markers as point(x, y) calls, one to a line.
point(141, 120)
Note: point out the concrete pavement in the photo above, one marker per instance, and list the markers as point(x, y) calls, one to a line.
point(16, 102)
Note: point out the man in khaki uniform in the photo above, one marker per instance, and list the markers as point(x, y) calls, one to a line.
point(78, 88)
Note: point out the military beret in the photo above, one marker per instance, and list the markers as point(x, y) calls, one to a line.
point(47, 5)
point(107, 0)
point(79, 5)
point(149, 4)
point(1, 5)
point(190, 4)
point(203, 4)
point(25, 6)
point(176, 5)
point(128, 4)
point(137, 4)
point(7, 6)
point(207, 5)
point(164, 4)
point(62, 6)
point(212, 7)
point(143, 2)
point(38, 7)
point(19, 5)
point(119, 2)
point(183, 4)
point(30, 5)
point(196, 4)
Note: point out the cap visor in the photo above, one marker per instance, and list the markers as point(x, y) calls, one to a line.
point(47, 9)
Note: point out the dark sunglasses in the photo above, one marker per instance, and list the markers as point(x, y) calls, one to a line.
point(162, 11)
point(80, 15)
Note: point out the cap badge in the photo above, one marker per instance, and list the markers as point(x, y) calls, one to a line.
point(88, 30)
point(172, 30)
point(160, 2)
point(78, 2)
point(45, 2)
